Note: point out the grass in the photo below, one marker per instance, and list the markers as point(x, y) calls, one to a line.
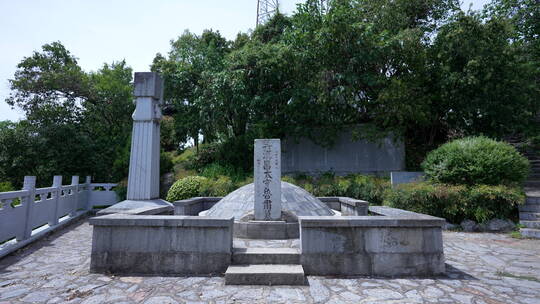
point(516, 235)
point(510, 275)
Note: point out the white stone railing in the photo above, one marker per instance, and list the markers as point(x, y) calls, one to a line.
point(31, 213)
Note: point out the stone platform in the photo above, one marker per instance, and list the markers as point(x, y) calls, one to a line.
point(481, 268)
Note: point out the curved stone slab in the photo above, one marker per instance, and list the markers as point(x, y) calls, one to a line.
point(294, 199)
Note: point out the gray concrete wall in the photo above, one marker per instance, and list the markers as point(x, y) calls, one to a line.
point(346, 156)
point(405, 177)
point(387, 245)
point(161, 245)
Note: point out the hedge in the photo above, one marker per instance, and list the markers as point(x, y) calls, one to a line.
point(457, 202)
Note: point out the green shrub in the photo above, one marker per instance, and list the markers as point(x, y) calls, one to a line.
point(187, 187)
point(216, 170)
point(221, 186)
point(368, 188)
point(362, 187)
point(165, 163)
point(476, 160)
point(456, 202)
point(121, 189)
point(6, 186)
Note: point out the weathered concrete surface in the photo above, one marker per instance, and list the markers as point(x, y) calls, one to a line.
point(148, 207)
point(144, 244)
point(264, 275)
point(482, 268)
point(346, 156)
point(266, 230)
point(396, 244)
point(247, 256)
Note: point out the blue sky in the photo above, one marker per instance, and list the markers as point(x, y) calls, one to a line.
point(100, 31)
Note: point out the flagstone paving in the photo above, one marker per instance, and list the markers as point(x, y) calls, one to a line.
point(481, 268)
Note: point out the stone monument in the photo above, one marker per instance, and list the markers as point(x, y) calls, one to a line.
point(143, 180)
point(267, 179)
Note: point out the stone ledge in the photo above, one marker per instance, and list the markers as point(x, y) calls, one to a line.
point(142, 207)
point(160, 221)
point(368, 221)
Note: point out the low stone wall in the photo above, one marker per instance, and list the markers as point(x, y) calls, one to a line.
point(195, 205)
point(161, 245)
point(395, 243)
point(346, 205)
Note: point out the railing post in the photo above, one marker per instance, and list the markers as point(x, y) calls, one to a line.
point(75, 193)
point(28, 204)
point(57, 192)
point(88, 191)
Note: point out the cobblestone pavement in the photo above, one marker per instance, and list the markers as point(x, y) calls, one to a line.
point(481, 268)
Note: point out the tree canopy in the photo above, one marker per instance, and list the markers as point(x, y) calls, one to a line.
point(422, 70)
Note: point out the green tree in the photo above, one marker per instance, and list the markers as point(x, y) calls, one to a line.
point(77, 123)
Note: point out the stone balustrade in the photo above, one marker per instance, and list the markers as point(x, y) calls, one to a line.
point(30, 213)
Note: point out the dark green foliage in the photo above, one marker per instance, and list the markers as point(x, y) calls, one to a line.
point(414, 68)
point(185, 188)
point(6, 186)
point(476, 160)
point(165, 163)
point(363, 187)
point(77, 123)
point(457, 202)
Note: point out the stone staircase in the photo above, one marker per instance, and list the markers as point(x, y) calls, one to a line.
point(265, 266)
point(529, 216)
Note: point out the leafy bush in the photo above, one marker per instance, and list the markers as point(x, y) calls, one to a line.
point(165, 163)
point(221, 186)
point(368, 188)
point(215, 170)
point(364, 187)
point(476, 160)
point(187, 187)
point(6, 186)
point(456, 202)
point(121, 189)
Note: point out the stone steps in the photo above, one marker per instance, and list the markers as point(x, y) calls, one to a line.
point(254, 256)
point(533, 183)
point(535, 208)
point(530, 232)
point(529, 216)
point(532, 200)
point(265, 266)
point(531, 224)
point(265, 275)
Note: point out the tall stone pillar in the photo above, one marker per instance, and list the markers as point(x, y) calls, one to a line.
point(143, 180)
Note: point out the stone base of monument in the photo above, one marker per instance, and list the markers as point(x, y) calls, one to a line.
point(391, 242)
point(142, 207)
point(161, 244)
point(388, 242)
point(266, 230)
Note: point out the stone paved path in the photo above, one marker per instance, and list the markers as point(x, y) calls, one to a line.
point(482, 268)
